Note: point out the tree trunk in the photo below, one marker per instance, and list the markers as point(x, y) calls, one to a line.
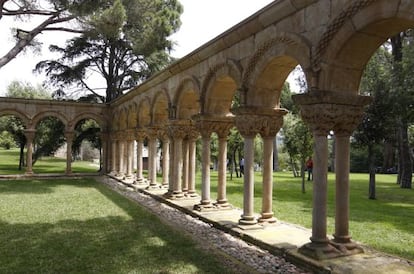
point(21, 159)
point(389, 159)
point(371, 160)
point(406, 168)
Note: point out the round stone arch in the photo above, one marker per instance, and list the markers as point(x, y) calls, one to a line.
point(84, 116)
point(160, 107)
point(187, 99)
point(219, 87)
point(132, 116)
point(353, 37)
point(144, 112)
point(269, 67)
point(22, 116)
point(40, 116)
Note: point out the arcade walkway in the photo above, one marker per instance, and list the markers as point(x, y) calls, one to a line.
point(281, 239)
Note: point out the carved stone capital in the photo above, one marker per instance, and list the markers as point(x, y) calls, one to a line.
point(69, 135)
point(163, 134)
point(208, 124)
point(179, 129)
point(30, 134)
point(140, 135)
point(251, 121)
point(326, 110)
point(129, 135)
point(152, 132)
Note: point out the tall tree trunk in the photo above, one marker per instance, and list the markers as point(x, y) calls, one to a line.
point(389, 154)
point(371, 160)
point(21, 159)
point(406, 168)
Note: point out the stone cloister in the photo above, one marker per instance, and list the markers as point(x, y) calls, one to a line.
point(331, 40)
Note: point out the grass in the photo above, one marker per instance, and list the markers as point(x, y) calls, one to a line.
point(9, 162)
point(385, 224)
point(80, 226)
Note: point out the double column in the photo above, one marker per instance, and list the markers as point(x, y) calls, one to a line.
point(152, 134)
point(69, 135)
point(251, 121)
point(324, 111)
point(139, 138)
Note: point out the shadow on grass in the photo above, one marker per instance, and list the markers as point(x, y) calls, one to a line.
point(43, 186)
point(134, 243)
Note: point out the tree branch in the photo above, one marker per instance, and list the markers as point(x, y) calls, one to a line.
point(63, 29)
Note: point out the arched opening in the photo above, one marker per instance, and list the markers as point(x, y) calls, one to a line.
point(12, 144)
point(49, 137)
point(86, 147)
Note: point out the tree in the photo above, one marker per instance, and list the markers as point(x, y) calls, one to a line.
point(123, 42)
point(403, 95)
point(52, 15)
point(377, 123)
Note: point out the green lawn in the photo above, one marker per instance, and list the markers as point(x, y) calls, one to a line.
point(80, 226)
point(386, 224)
point(9, 162)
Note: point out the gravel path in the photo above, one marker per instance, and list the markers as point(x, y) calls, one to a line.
point(238, 255)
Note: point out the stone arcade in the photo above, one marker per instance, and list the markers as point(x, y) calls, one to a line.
point(331, 40)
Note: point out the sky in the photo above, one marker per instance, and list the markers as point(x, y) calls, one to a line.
point(202, 20)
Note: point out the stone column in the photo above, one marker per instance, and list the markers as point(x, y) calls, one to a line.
point(177, 131)
point(120, 156)
point(30, 135)
point(130, 157)
point(152, 134)
point(163, 135)
point(185, 165)
point(205, 130)
point(192, 138)
point(113, 156)
point(104, 157)
point(222, 130)
point(69, 135)
point(343, 129)
point(270, 125)
point(324, 111)
point(139, 138)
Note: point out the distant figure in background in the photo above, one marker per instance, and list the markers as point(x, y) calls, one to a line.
point(242, 166)
point(309, 167)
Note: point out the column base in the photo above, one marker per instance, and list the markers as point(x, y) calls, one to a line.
point(347, 248)
point(153, 186)
point(140, 181)
point(204, 206)
point(223, 204)
point(191, 194)
point(29, 173)
point(247, 220)
point(174, 195)
point(320, 250)
point(267, 218)
point(164, 185)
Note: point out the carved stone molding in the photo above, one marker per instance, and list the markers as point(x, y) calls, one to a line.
point(129, 135)
point(251, 121)
point(326, 110)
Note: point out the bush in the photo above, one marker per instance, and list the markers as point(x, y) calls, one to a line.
point(7, 140)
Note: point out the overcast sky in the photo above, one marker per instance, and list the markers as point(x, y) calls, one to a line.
point(202, 20)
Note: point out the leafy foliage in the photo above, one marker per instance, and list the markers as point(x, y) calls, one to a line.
point(124, 42)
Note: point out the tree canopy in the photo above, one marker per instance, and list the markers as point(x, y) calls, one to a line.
point(123, 42)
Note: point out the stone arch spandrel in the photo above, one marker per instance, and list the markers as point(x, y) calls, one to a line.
point(83, 116)
point(22, 116)
point(187, 98)
point(352, 38)
point(123, 119)
point(40, 116)
point(219, 88)
point(132, 117)
point(269, 67)
point(144, 112)
point(160, 107)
